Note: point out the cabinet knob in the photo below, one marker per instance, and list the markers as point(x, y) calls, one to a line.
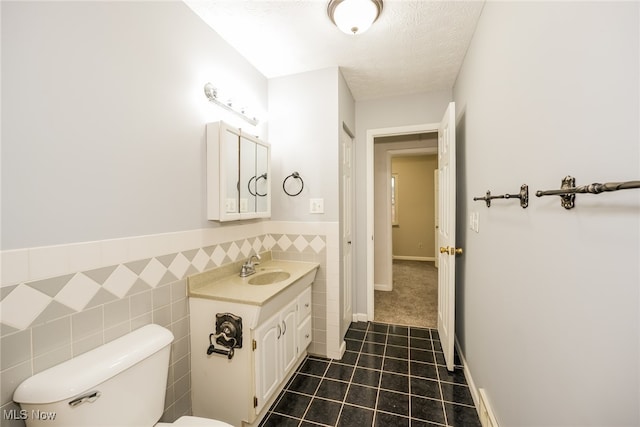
point(306, 305)
point(306, 336)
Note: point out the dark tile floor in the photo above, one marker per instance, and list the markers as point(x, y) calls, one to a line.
point(389, 376)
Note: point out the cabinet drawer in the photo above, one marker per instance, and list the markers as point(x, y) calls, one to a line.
point(304, 304)
point(304, 335)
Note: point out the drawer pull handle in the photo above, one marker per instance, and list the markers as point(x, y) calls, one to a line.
point(307, 305)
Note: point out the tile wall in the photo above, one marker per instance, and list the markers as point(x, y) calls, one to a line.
point(47, 321)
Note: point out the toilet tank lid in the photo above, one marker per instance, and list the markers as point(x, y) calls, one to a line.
point(94, 367)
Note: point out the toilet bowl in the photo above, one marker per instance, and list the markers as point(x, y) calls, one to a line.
point(121, 383)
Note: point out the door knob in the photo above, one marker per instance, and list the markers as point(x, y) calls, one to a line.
point(450, 251)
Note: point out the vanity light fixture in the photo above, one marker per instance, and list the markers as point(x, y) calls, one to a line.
point(354, 16)
point(212, 94)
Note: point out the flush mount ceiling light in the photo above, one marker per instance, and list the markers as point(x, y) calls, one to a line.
point(354, 16)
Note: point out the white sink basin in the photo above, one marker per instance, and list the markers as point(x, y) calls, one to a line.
point(269, 277)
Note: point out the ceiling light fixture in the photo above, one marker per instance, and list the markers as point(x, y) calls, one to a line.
point(354, 16)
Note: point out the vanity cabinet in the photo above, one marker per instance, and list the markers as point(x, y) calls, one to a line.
point(238, 173)
point(276, 330)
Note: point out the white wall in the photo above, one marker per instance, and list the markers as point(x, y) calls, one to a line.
point(422, 108)
point(303, 132)
point(103, 116)
point(306, 112)
point(103, 169)
point(547, 297)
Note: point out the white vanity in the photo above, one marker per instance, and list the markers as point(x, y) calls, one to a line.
point(276, 330)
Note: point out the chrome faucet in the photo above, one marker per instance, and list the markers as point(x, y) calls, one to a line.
point(249, 267)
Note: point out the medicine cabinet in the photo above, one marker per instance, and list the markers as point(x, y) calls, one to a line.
point(238, 174)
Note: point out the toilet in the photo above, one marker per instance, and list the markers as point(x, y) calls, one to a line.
point(121, 383)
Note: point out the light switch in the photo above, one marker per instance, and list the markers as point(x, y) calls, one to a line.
point(316, 206)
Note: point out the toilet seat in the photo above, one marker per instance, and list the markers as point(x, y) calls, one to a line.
point(188, 420)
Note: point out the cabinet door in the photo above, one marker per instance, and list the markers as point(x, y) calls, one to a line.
point(262, 186)
point(223, 172)
point(230, 172)
point(268, 367)
point(248, 176)
point(289, 337)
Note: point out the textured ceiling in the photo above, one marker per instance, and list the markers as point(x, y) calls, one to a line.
point(414, 46)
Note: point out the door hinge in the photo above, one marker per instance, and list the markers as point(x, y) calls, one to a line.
point(255, 402)
point(254, 344)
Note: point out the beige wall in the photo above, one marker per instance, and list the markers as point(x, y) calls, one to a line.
point(414, 235)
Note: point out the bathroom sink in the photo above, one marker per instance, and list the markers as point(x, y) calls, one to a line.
point(269, 277)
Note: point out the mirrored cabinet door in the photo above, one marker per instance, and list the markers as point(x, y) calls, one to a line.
point(230, 156)
point(263, 179)
point(247, 175)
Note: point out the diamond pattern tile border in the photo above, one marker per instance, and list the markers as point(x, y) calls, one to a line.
point(22, 305)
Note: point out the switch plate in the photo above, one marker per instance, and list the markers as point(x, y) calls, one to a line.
point(476, 222)
point(316, 206)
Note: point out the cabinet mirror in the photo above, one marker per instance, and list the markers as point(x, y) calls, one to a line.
point(238, 174)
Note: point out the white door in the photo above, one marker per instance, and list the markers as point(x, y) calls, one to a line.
point(447, 233)
point(347, 230)
point(436, 193)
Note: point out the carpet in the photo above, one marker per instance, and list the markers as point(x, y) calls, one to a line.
point(414, 298)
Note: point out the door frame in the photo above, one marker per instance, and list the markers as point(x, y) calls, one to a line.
point(371, 135)
point(346, 133)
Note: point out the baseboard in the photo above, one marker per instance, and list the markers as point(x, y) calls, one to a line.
point(383, 287)
point(414, 258)
point(360, 317)
point(467, 374)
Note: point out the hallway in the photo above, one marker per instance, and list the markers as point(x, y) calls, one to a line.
point(414, 298)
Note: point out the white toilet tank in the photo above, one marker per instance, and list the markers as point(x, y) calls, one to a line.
point(121, 383)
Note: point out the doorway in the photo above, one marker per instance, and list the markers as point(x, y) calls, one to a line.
point(383, 234)
point(446, 224)
point(405, 279)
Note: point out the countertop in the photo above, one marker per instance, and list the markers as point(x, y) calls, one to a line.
point(225, 283)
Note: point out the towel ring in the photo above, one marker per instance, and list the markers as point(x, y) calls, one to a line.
point(294, 175)
point(263, 176)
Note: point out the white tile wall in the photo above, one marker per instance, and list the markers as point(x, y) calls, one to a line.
point(65, 300)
